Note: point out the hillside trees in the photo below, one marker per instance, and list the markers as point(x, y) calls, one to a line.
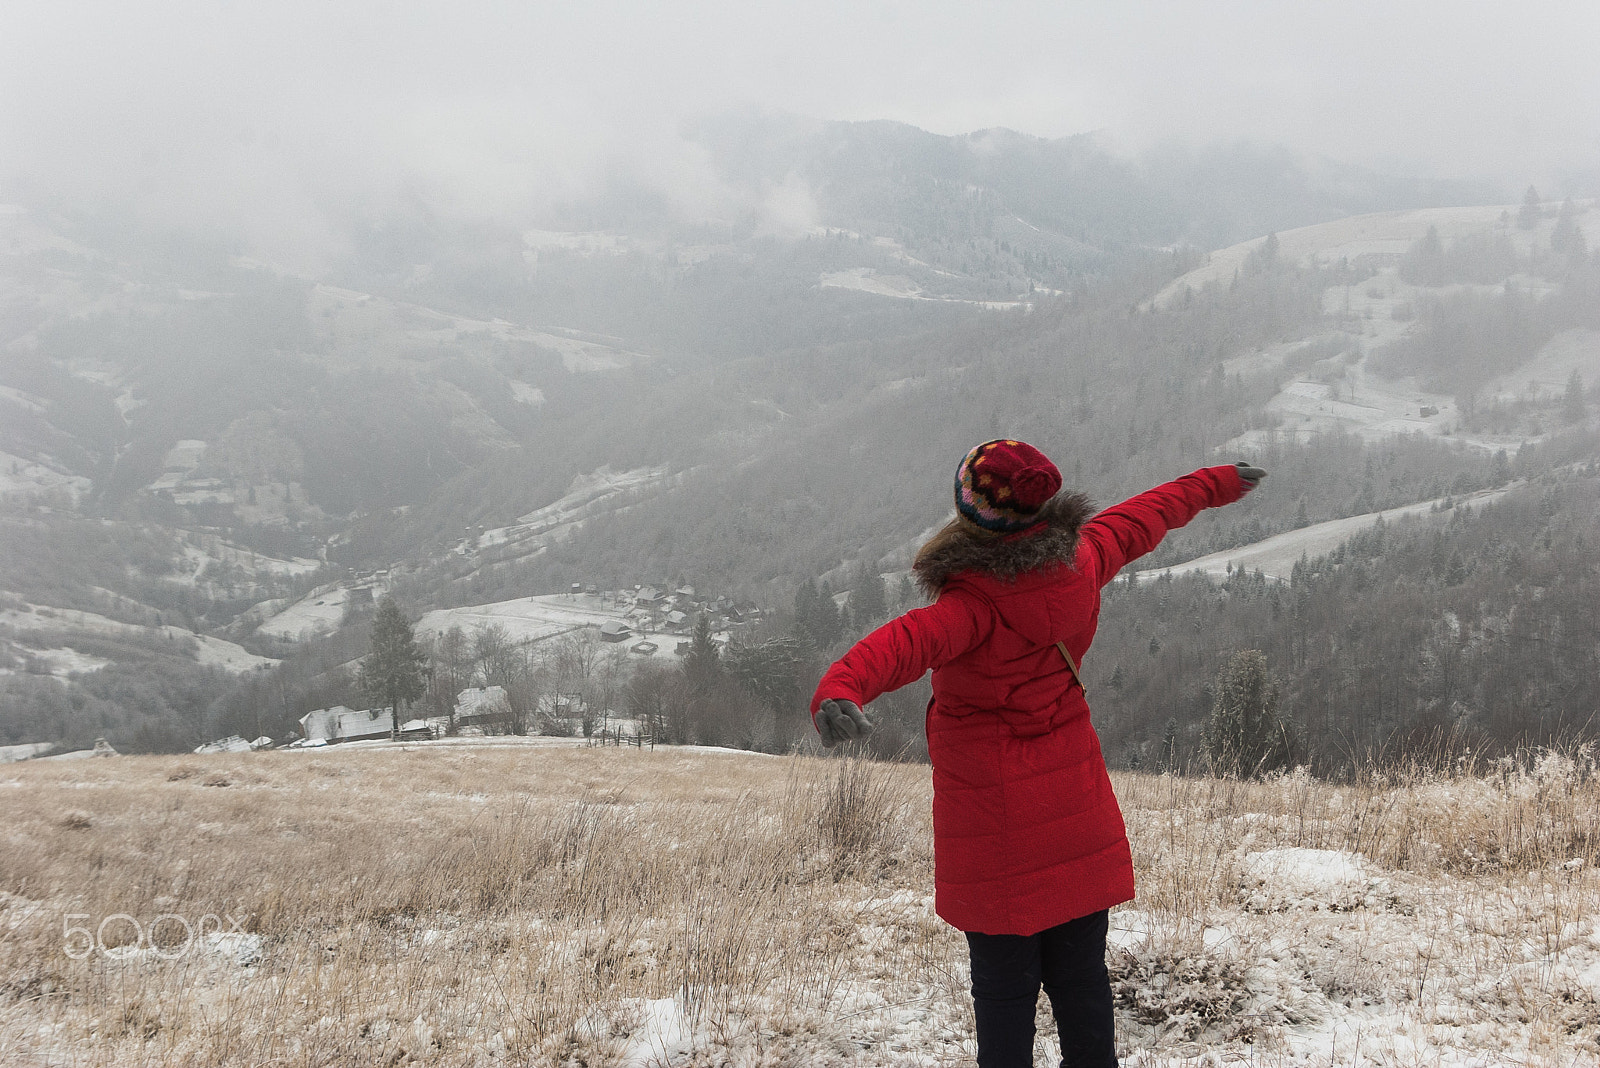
point(1476, 622)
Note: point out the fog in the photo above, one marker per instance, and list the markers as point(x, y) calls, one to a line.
point(268, 120)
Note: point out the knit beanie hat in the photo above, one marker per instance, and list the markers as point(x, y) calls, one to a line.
point(1002, 484)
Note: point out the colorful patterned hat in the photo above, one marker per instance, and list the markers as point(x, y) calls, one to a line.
point(1002, 484)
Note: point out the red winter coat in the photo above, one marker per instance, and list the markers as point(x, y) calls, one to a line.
point(1027, 831)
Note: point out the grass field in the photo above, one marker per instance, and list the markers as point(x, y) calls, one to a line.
point(623, 907)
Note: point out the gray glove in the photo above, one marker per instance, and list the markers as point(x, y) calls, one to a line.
point(1250, 475)
point(841, 721)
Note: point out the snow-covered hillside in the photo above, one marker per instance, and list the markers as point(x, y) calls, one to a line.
point(65, 623)
point(1276, 556)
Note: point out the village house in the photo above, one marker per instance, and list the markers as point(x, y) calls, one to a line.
point(342, 724)
point(483, 706)
point(564, 710)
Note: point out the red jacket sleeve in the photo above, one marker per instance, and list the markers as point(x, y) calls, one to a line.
point(1124, 532)
point(902, 649)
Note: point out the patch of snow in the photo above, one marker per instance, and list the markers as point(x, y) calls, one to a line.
point(1130, 929)
point(235, 947)
point(584, 498)
point(1276, 556)
point(65, 662)
point(536, 619)
point(21, 476)
point(1302, 878)
point(663, 1036)
point(209, 651)
point(1544, 378)
point(589, 242)
point(523, 393)
point(868, 280)
point(22, 399)
point(318, 612)
point(178, 463)
point(1383, 234)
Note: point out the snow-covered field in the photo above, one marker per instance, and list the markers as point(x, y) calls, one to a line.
point(1388, 233)
point(520, 905)
point(1277, 555)
point(212, 652)
point(587, 495)
point(868, 280)
point(318, 612)
point(1544, 378)
point(20, 476)
point(537, 619)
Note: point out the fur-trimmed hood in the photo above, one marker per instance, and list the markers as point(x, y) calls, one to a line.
point(1056, 541)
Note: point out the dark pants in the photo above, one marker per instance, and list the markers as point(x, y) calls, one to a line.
point(1069, 961)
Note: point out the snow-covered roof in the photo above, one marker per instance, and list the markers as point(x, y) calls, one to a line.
point(10, 754)
point(482, 700)
point(231, 744)
point(340, 723)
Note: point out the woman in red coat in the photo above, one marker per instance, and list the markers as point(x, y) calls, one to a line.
point(1029, 846)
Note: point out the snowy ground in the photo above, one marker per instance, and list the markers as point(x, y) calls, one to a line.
point(1544, 378)
point(1277, 555)
point(600, 490)
point(20, 476)
point(1341, 394)
point(212, 652)
point(537, 619)
point(497, 905)
point(868, 280)
point(355, 315)
point(318, 612)
point(204, 556)
point(1388, 233)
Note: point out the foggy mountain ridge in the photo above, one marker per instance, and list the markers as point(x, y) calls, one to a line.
point(198, 444)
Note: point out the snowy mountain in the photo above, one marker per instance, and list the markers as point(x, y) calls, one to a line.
point(199, 448)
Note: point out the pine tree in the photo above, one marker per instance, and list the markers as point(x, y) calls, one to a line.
point(395, 672)
point(868, 604)
point(1528, 214)
point(825, 624)
point(1566, 237)
point(1246, 736)
point(701, 662)
point(805, 609)
point(1574, 409)
point(1167, 758)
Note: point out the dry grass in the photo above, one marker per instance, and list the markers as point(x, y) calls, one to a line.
point(599, 907)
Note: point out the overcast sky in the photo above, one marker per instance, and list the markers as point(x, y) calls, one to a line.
point(284, 108)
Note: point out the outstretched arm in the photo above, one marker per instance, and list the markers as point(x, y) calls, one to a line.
point(902, 649)
point(1124, 532)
